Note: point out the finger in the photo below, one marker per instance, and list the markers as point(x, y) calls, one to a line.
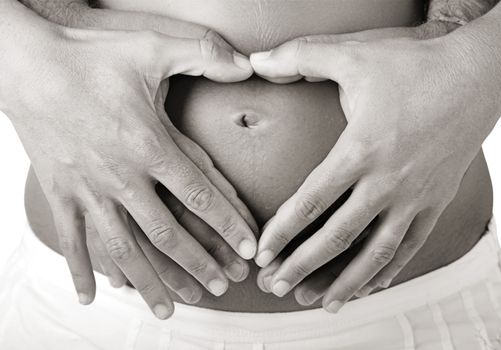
point(314, 80)
point(414, 239)
point(234, 266)
point(187, 182)
point(71, 233)
point(173, 275)
point(108, 267)
point(265, 275)
point(170, 238)
point(112, 226)
point(304, 58)
point(326, 183)
point(314, 286)
point(377, 252)
point(203, 162)
point(364, 36)
point(164, 56)
point(336, 236)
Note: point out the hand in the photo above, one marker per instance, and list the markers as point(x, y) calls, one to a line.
point(171, 274)
point(98, 148)
point(417, 112)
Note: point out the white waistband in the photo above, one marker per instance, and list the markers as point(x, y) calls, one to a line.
point(479, 264)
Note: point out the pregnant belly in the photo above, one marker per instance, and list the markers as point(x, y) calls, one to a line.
point(267, 138)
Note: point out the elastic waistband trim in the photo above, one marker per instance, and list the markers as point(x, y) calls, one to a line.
point(480, 263)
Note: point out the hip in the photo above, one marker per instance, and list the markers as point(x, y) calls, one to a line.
point(455, 307)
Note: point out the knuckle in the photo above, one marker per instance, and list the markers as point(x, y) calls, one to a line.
point(198, 267)
point(310, 207)
point(382, 254)
point(128, 192)
point(119, 248)
point(68, 245)
point(397, 265)
point(146, 289)
point(165, 273)
point(214, 37)
point(281, 237)
point(348, 289)
point(299, 270)
point(229, 228)
point(199, 197)
point(208, 49)
point(162, 235)
point(150, 149)
point(79, 277)
point(340, 239)
point(411, 245)
point(218, 249)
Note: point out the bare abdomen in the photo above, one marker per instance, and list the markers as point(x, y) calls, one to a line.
point(267, 138)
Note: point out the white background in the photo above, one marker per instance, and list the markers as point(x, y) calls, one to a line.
point(14, 165)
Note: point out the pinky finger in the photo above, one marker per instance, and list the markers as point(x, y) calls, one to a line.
point(415, 238)
point(71, 233)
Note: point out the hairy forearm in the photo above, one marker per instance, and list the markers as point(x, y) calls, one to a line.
point(444, 16)
point(64, 12)
point(80, 14)
point(479, 50)
point(459, 12)
point(22, 31)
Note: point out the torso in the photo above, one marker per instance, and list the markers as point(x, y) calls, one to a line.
point(290, 127)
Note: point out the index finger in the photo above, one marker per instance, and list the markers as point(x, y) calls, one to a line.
point(326, 183)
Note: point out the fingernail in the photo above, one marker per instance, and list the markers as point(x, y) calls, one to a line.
point(309, 297)
point(236, 272)
point(267, 283)
point(280, 288)
point(364, 291)
point(334, 306)
point(385, 283)
point(161, 311)
point(84, 299)
point(217, 287)
point(264, 258)
point(260, 56)
point(116, 283)
point(247, 249)
point(241, 61)
point(187, 294)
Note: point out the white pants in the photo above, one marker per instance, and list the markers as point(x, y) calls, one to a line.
point(455, 307)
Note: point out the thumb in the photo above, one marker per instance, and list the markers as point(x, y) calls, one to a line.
point(302, 57)
point(164, 56)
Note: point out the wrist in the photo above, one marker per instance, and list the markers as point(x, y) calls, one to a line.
point(470, 59)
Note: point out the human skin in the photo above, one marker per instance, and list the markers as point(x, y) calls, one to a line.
point(444, 117)
point(267, 164)
point(76, 145)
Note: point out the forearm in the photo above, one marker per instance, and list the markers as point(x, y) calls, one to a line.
point(459, 12)
point(79, 14)
point(445, 16)
point(476, 48)
point(21, 33)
